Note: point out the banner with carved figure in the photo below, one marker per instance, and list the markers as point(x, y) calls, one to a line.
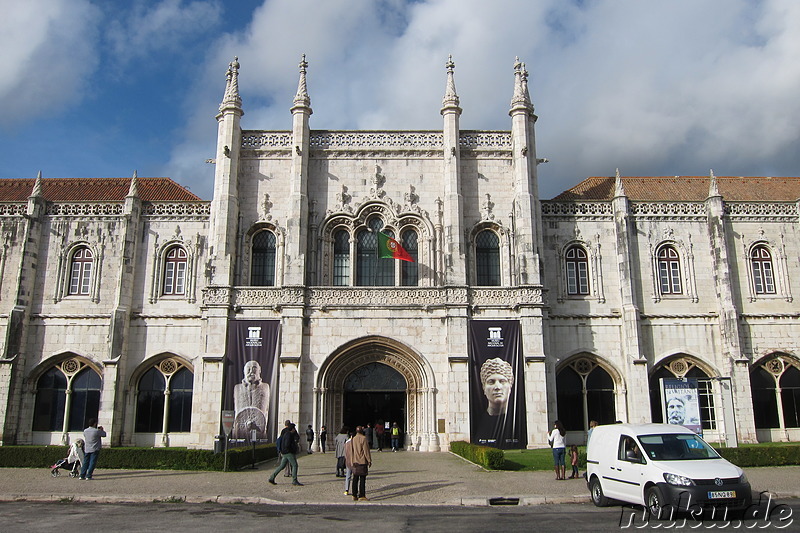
point(497, 392)
point(251, 377)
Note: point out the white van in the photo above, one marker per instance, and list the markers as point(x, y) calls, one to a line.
point(661, 466)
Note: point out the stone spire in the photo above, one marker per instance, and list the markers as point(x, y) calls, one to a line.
point(713, 190)
point(450, 100)
point(232, 98)
point(134, 188)
point(37, 186)
point(619, 190)
point(301, 99)
point(521, 98)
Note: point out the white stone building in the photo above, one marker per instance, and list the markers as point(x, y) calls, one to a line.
point(117, 293)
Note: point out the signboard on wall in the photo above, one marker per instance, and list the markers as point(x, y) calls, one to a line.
point(497, 391)
point(251, 377)
point(680, 403)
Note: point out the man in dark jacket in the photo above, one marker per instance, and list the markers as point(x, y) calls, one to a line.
point(290, 445)
point(309, 437)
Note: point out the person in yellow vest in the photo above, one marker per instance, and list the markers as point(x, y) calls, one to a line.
point(395, 432)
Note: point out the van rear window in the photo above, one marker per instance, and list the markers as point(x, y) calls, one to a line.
point(676, 447)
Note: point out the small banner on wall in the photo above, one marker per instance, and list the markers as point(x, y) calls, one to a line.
point(251, 377)
point(497, 389)
point(680, 400)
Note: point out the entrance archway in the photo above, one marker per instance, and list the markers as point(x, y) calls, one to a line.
point(374, 377)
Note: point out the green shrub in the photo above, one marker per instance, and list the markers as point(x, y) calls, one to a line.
point(762, 455)
point(140, 458)
point(482, 455)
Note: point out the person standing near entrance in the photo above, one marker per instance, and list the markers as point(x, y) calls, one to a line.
point(360, 461)
point(379, 436)
point(323, 438)
point(91, 448)
point(395, 432)
point(290, 445)
point(309, 437)
point(368, 434)
point(338, 449)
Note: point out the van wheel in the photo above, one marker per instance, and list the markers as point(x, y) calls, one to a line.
point(598, 498)
point(656, 506)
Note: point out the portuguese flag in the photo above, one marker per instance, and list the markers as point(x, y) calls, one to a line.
point(391, 249)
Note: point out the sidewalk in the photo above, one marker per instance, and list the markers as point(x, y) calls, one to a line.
point(403, 478)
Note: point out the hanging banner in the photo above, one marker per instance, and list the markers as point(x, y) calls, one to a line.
point(680, 401)
point(497, 392)
point(251, 377)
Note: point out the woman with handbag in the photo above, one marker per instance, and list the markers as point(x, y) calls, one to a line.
point(359, 462)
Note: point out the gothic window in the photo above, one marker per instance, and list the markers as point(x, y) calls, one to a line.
point(790, 396)
point(341, 258)
point(175, 271)
point(577, 270)
point(164, 394)
point(761, 263)
point(584, 392)
point(765, 400)
point(370, 269)
point(669, 270)
point(262, 271)
point(80, 272)
point(487, 259)
point(52, 411)
point(409, 273)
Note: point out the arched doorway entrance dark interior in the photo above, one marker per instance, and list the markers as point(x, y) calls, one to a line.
point(374, 394)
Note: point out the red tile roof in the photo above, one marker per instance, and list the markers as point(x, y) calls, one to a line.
point(95, 190)
point(687, 189)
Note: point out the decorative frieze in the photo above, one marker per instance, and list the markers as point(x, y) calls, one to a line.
point(85, 209)
point(13, 209)
point(762, 210)
point(682, 210)
point(577, 209)
point(175, 210)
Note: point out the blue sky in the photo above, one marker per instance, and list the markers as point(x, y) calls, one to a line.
point(93, 88)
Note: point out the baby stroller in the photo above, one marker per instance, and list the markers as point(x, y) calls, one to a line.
point(73, 461)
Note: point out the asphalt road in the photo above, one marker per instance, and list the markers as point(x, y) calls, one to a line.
point(69, 517)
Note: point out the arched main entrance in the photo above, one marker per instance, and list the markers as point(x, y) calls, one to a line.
point(375, 377)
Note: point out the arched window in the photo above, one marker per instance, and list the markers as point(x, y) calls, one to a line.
point(370, 269)
point(577, 270)
point(487, 259)
point(669, 270)
point(53, 406)
point(765, 401)
point(80, 272)
point(341, 258)
point(409, 273)
point(584, 392)
point(262, 272)
point(761, 263)
point(175, 271)
point(790, 396)
point(164, 393)
point(150, 402)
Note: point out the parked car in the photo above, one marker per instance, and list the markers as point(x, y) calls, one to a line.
point(663, 467)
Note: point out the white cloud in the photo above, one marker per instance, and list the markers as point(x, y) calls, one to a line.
point(650, 87)
point(48, 51)
point(149, 28)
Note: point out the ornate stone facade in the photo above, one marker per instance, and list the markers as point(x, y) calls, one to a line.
point(613, 289)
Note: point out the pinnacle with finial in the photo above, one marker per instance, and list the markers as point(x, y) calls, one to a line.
point(450, 99)
point(619, 189)
point(301, 99)
point(521, 96)
point(134, 188)
point(713, 190)
point(37, 186)
point(232, 97)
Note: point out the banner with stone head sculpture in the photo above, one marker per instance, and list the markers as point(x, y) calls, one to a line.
point(497, 392)
point(251, 377)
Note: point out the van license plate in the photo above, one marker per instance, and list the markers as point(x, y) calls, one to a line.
point(715, 495)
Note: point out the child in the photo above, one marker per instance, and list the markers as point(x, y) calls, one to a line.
point(573, 454)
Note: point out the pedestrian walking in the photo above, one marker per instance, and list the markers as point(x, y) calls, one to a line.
point(91, 448)
point(290, 445)
point(323, 437)
point(348, 454)
point(395, 433)
point(360, 461)
point(309, 437)
point(556, 441)
point(338, 449)
point(379, 431)
point(288, 472)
